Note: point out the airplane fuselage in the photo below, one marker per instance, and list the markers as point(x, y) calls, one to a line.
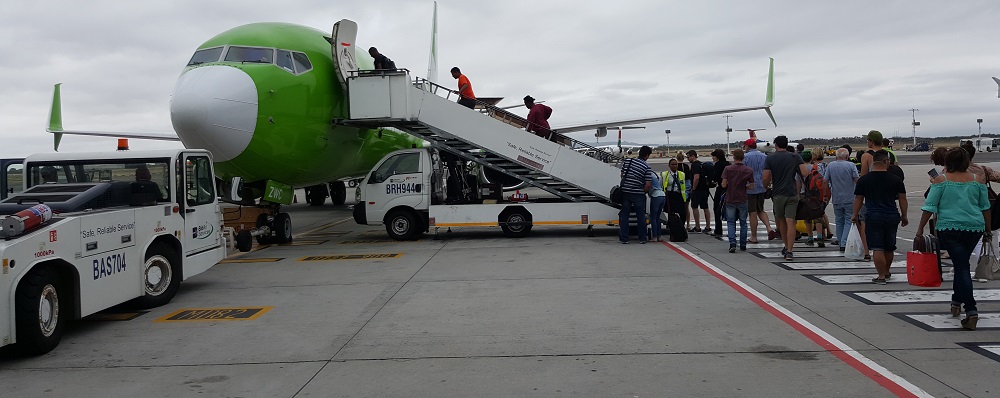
point(263, 98)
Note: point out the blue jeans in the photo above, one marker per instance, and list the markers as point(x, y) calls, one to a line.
point(736, 211)
point(960, 245)
point(655, 209)
point(842, 217)
point(632, 202)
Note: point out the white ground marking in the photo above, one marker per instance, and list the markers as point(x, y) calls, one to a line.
point(945, 321)
point(923, 296)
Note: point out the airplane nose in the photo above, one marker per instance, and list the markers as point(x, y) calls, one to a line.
point(215, 108)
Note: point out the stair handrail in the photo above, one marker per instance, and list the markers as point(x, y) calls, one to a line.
point(517, 121)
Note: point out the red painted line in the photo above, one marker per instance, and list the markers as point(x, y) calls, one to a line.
point(829, 346)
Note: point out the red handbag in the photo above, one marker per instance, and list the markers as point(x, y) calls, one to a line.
point(923, 265)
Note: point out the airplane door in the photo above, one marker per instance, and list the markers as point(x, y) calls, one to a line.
point(397, 181)
point(344, 52)
point(201, 215)
point(12, 179)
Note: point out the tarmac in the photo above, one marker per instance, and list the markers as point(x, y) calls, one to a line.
point(345, 312)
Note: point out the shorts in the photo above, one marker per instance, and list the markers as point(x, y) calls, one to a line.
point(880, 231)
point(699, 199)
point(785, 206)
point(755, 202)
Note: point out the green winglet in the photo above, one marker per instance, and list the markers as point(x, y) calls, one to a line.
point(770, 85)
point(55, 118)
point(770, 115)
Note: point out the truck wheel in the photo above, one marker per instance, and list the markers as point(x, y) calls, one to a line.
point(160, 275)
point(338, 193)
point(316, 195)
point(38, 313)
point(244, 241)
point(266, 239)
point(282, 228)
point(515, 223)
point(989, 149)
point(402, 224)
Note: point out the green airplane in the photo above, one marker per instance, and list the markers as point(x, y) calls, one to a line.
point(268, 100)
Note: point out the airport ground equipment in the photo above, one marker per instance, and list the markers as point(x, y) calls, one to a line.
point(983, 144)
point(127, 226)
point(413, 190)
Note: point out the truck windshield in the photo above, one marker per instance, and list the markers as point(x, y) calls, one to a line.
point(125, 170)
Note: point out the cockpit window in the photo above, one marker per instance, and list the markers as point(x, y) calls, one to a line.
point(285, 60)
point(250, 54)
point(302, 63)
point(205, 55)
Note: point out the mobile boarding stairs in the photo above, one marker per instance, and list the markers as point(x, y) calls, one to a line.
point(487, 135)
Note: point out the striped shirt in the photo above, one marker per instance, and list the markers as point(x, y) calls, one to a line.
point(754, 159)
point(635, 174)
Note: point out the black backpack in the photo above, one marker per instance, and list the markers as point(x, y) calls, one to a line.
point(708, 176)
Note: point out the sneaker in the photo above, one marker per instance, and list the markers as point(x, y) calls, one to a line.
point(732, 248)
point(810, 242)
point(743, 248)
point(696, 229)
point(771, 235)
point(835, 242)
point(878, 281)
point(788, 256)
point(642, 242)
point(843, 249)
point(707, 230)
point(624, 242)
point(820, 244)
point(783, 251)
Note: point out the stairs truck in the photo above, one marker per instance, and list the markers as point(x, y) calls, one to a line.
point(89, 231)
point(413, 190)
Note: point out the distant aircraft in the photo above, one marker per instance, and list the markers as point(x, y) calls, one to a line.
point(268, 100)
point(762, 145)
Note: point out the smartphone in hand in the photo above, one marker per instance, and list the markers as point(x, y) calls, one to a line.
point(933, 173)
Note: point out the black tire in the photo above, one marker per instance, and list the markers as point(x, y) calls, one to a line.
point(515, 223)
point(282, 228)
point(40, 315)
point(316, 195)
point(338, 193)
point(265, 239)
point(403, 224)
point(161, 276)
point(244, 241)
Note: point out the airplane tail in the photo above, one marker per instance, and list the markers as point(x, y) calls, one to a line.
point(432, 58)
point(55, 118)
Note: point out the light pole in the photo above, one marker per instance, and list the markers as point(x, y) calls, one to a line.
point(728, 130)
point(668, 143)
point(980, 121)
point(915, 124)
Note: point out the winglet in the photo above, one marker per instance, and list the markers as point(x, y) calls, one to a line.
point(432, 58)
point(998, 86)
point(55, 118)
point(769, 99)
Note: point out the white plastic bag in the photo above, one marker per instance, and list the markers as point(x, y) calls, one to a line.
point(854, 250)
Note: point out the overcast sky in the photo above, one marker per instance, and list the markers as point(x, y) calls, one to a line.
point(841, 68)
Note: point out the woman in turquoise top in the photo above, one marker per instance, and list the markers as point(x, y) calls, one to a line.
point(657, 198)
point(961, 204)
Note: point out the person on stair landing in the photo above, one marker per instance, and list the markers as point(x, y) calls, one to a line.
point(538, 118)
point(381, 61)
point(465, 95)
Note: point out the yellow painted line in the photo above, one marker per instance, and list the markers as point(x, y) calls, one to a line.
point(251, 260)
point(304, 243)
point(466, 224)
point(603, 222)
point(215, 314)
point(351, 257)
point(124, 316)
point(363, 241)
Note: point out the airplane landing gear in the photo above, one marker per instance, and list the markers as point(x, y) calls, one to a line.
point(316, 195)
point(338, 193)
point(271, 228)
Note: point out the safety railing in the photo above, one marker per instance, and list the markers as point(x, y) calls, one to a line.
point(519, 122)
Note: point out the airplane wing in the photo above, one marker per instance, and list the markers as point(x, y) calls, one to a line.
point(768, 102)
point(55, 127)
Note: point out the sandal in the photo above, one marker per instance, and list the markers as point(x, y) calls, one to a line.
point(868, 257)
point(878, 281)
point(752, 241)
